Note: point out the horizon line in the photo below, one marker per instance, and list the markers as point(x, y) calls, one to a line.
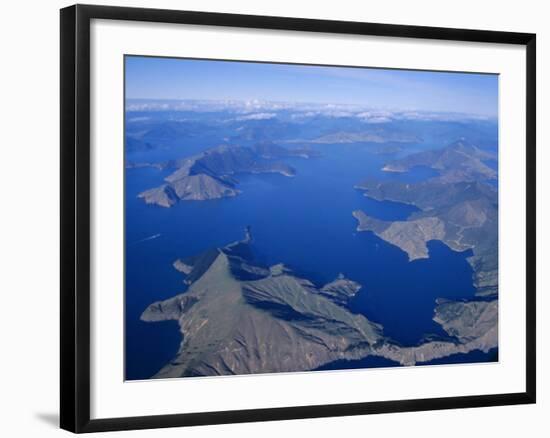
point(358, 106)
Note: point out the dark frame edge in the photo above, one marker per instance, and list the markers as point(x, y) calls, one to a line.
point(75, 216)
point(304, 412)
point(68, 396)
point(303, 24)
point(75, 219)
point(531, 215)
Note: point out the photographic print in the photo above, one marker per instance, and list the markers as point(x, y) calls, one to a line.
point(304, 218)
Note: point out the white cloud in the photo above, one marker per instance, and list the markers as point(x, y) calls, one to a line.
point(258, 116)
point(138, 119)
point(375, 120)
point(376, 116)
point(263, 110)
point(427, 116)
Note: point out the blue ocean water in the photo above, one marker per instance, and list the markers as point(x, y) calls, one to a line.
point(306, 222)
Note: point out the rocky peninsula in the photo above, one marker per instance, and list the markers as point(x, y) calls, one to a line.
point(211, 174)
point(239, 317)
point(457, 207)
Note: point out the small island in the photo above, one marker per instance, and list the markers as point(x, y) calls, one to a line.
point(372, 135)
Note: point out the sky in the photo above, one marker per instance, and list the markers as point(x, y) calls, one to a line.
point(175, 78)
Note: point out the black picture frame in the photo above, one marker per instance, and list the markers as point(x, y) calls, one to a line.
point(75, 217)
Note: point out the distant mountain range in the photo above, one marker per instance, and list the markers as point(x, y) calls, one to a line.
point(367, 136)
